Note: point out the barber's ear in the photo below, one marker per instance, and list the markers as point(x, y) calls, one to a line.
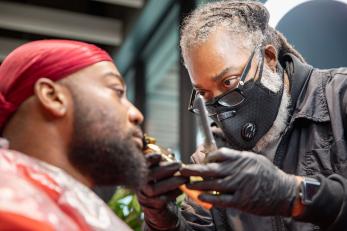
point(51, 97)
point(271, 57)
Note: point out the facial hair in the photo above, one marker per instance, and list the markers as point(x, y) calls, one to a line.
point(101, 151)
point(273, 81)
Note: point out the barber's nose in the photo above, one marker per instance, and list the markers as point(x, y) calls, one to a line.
point(135, 116)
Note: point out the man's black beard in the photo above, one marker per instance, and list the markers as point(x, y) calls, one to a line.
point(103, 154)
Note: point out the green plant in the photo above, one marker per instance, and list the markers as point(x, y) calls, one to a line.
point(126, 206)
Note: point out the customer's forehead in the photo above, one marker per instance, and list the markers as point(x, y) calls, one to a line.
point(100, 71)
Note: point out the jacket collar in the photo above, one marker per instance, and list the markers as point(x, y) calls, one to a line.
point(307, 94)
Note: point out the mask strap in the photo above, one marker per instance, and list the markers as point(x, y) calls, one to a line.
point(248, 66)
point(191, 100)
point(261, 66)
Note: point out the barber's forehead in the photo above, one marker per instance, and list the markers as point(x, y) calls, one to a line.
point(220, 46)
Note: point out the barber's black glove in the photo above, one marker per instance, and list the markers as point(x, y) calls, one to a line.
point(246, 181)
point(158, 195)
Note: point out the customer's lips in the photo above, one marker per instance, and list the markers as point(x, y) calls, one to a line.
point(138, 138)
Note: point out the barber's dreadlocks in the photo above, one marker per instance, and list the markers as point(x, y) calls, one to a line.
point(244, 19)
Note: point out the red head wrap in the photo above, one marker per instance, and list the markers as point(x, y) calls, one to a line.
point(53, 59)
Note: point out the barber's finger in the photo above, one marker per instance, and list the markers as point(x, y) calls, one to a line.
point(203, 170)
point(219, 185)
point(159, 201)
point(151, 202)
point(221, 201)
point(223, 154)
point(163, 186)
point(153, 159)
point(164, 170)
point(170, 196)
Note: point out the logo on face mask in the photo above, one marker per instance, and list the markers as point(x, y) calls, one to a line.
point(248, 131)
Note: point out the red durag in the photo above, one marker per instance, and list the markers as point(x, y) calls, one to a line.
point(53, 59)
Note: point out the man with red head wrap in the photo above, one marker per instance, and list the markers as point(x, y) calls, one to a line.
point(67, 126)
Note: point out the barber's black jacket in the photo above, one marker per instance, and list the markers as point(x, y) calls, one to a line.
point(314, 144)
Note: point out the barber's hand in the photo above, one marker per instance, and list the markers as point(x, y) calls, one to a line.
point(157, 196)
point(246, 181)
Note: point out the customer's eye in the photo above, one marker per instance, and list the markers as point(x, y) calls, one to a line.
point(120, 92)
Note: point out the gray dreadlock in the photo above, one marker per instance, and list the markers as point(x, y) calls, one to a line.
point(245, 19)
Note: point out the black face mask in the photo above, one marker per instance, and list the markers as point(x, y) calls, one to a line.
point(245, 114)
point(246, 124)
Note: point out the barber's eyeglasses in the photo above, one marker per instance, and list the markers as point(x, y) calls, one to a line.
point(230, 98)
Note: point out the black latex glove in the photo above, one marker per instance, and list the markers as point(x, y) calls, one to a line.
point(157, 196)
point(246, 181)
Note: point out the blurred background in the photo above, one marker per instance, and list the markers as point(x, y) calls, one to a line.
point(143, 37)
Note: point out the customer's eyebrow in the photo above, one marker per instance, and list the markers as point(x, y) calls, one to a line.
point(113, 74)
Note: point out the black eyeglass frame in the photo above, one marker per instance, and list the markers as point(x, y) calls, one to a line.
point(238, 89)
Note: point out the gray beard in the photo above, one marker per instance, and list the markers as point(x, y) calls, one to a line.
point(267, 145)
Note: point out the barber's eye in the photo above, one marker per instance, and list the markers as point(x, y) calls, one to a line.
point(202, 93)
point(230, 82)
point(205, 94)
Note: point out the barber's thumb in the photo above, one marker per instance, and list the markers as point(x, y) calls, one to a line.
point(153, 159)
point(223, 154)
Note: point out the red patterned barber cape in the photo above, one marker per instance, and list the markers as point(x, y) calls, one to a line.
point(37, 196)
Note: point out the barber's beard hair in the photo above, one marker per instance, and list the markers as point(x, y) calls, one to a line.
point(273, 81)
point(100, 151)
